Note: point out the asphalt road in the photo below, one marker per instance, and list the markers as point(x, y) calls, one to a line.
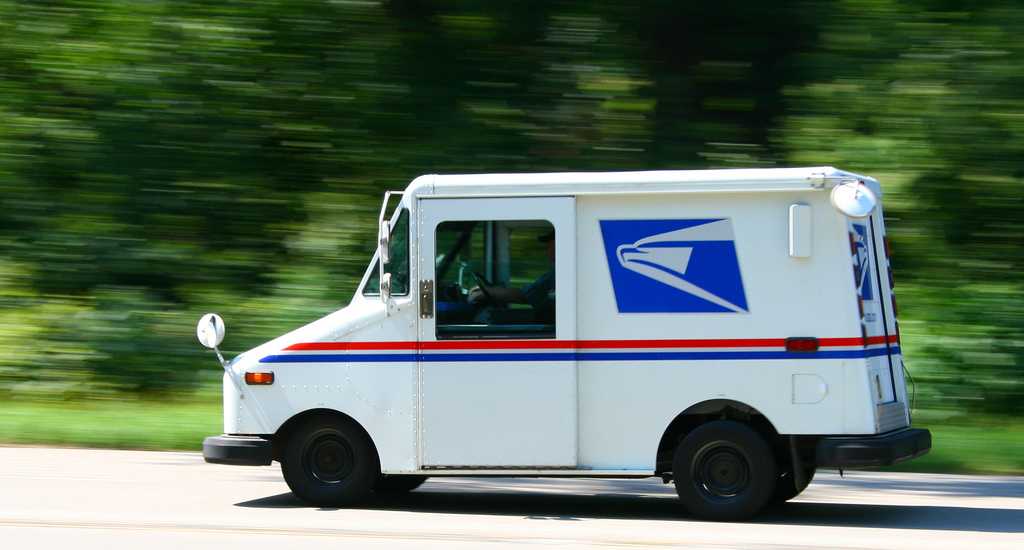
point(75, 498)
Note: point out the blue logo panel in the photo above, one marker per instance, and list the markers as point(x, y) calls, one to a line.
point(863, 262)
point(674, 266)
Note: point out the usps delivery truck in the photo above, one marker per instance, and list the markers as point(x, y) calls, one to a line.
point(728, 330)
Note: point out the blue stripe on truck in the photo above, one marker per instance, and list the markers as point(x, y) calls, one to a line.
point(575, 356)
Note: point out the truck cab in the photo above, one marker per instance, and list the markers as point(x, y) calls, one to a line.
point(729, 330)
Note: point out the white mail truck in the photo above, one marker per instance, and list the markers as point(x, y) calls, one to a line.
point(728, 330)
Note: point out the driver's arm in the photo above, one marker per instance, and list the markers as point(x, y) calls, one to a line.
point(500, 294)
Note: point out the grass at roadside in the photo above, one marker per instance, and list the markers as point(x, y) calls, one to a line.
point(987, 446)
point(122, 424)
point(992, 446)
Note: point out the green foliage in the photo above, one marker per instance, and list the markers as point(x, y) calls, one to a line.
point(978, 444)
point(121, 423)
point(161, 159)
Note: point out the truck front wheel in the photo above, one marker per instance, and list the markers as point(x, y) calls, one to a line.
point(724, 470)
point(330, 462)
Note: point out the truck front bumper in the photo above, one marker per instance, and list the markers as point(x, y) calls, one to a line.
point(240, 450)
point(873, 450)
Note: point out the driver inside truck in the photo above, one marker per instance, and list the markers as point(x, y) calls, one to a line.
point(540, 294)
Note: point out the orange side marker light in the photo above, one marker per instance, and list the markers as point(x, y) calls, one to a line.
point(259, 378)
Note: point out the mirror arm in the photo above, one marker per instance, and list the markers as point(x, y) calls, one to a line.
point(220, 357)
point(384, 205)
point(230, 373)
point(380, 278)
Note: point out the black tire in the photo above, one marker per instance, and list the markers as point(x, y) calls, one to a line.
point(724, 471)
point(330, 462)
point(396, 484)
point(785, 486)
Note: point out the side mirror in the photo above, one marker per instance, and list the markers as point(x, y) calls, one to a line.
point(853, 199)
point(385, 287)
point(210, 330)
point(384, 242)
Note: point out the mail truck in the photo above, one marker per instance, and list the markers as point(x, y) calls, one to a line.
point(730, 331)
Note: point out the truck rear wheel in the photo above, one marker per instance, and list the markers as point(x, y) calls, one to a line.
point(396, 484)
point(724, 470)
point(330, 462)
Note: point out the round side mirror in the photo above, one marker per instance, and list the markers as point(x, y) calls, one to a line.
point(854, 199)
point(210, 330)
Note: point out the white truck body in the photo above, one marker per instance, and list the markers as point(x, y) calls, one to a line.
point(679, 308)
point(678, 293)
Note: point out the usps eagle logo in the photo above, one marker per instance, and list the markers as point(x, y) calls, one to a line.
point(862, 264)
point(674, 266)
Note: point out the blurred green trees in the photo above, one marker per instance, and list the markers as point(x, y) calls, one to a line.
point(161, 159)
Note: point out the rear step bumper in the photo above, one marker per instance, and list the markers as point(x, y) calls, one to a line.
point(864, 451)
point(238, 450)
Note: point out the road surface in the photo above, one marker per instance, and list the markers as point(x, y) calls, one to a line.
point(79, 499)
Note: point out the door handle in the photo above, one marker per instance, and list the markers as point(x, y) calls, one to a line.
point(426, 299)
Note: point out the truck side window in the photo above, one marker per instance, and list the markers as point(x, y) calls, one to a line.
point(399, 264)
point(495, 279)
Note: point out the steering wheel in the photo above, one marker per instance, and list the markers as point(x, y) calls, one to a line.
point(482, 283)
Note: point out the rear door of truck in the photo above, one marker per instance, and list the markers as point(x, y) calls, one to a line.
point(873, 281)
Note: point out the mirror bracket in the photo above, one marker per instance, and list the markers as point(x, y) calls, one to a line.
point(384, 245)
point(385, 287)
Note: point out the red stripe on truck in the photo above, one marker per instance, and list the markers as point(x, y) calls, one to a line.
point(577, 344)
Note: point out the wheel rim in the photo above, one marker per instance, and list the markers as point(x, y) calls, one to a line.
point(329, 458)
point(720, 470)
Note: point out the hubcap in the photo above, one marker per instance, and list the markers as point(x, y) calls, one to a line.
point(721, 471)
point(329, 459)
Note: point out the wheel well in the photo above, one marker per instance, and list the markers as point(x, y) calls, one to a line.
point(280, 437)
point(706, 411)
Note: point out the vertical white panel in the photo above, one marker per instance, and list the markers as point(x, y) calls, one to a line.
point(800, 235)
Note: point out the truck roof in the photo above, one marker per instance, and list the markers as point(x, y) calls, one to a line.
point(655, 181)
